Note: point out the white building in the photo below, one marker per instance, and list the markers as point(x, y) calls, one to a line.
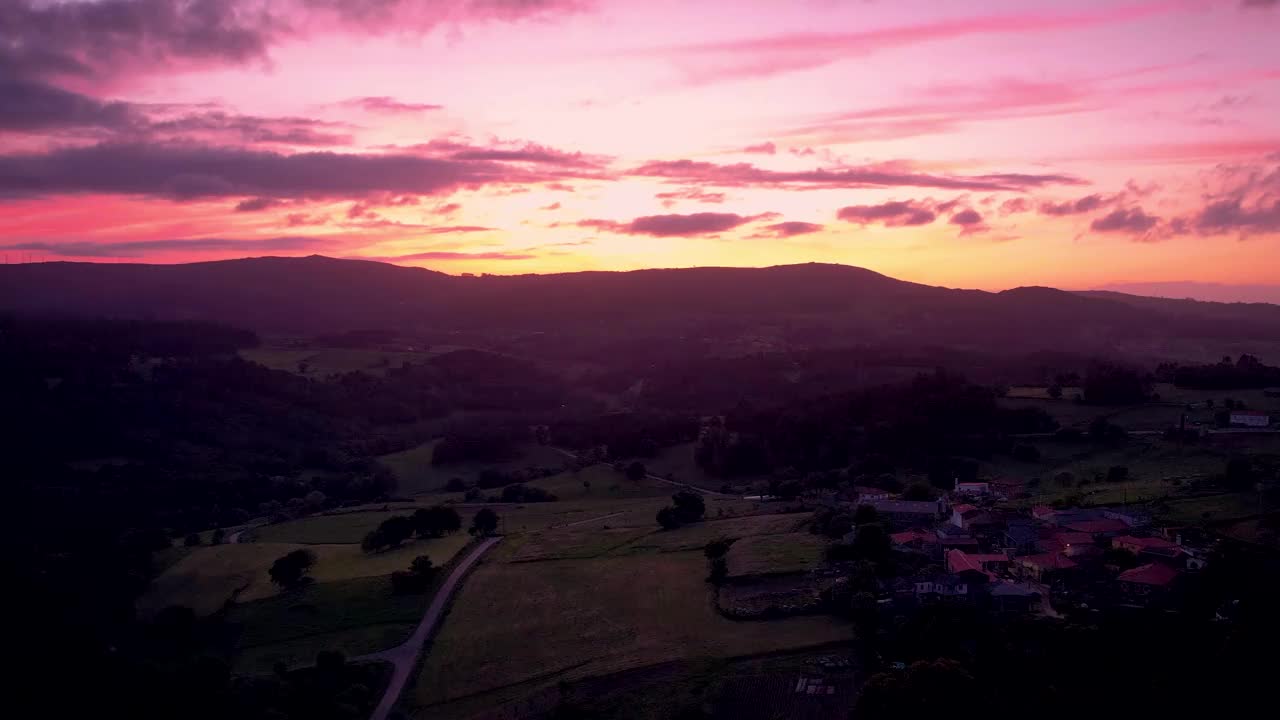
point(1250, 418)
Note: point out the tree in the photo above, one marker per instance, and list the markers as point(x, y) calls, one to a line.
point(689, 506)
point(719, 571)
point(436, 521)
point(1119, 557)
point(485, 523)
point(456, 485)
point(871, 542)
point(422, 565)
point(192, 540)
point(1055, 391)
point(867, 514)
point(716, 548)
point(395, 530)
point(1117, 473)
point(291, 569)
point(668, 518)
point(636, 471)
point(1026, 453)
point(926, 690)
point(918, 491)
point(373, 542)
point(219, 536)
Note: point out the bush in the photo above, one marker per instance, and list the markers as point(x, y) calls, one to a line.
point(456, 485)
point(668, 518)
point(291, 569)
point(717, 548)
point(1117, 473)
point(192, 540)
point(689, 506)
point(719, 571)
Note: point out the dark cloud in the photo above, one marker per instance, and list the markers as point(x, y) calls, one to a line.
point(744, 174)
point(766, 148)
point(1130, 220)
point(891, 214)
point(188, 171)
point(673, 225)
point(1231, 215)
point(34, 106)
point(966, 218)
point(790, 228)
point(229, 127)
point(138, 248)
point(1260, 3)
point(258, 204)
point(384, 105)
point(107, 38)
point(695, 194)
point(1088, 203)
point(41, 108)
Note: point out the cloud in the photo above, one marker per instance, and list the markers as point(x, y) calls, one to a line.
point(766, 148)
point(695, 194)
point(966, 217)
point(139, 248)
point(41, 108)
point(1260, 3)
point(898, 213)
point(552, 206)
point(745, 174)
point(774, 54)
point(444, 255)
point(1131, 220)
point(109, 38)
point(30, 106)
point(384, 105)
point(514, 152)
point(258, 204)
point(1015, 205)
point(673, 225)
point(189, 171)
point(1231, 215)
point(1088, 203)
point(788, 229)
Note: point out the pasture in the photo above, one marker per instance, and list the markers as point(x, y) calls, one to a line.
point(776, 554)
point(415, 474)
point(574, 618)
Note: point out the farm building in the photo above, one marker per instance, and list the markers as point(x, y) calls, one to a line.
point(1250, 418)
point(910, 513)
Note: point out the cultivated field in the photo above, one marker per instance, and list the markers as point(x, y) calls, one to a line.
point(416, 474)
point(573, 618)
point(775, 554)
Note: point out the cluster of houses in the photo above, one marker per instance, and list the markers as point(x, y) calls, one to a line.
point(1017, 561)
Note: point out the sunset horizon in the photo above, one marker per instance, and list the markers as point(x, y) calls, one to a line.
point(989, 146)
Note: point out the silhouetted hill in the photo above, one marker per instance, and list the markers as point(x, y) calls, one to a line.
point(710, 310)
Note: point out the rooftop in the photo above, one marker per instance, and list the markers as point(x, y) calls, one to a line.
point(1048, 561)
point(1151, 574)
point(1098, 526)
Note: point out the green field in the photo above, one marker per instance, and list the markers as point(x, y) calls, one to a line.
point(697, 535)
point(576, 618)
point(677, 463)
point(776, 554)
point(416, 474)
point(1220, 508)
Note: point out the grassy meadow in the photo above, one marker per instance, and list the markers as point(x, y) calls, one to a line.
point(415, 473)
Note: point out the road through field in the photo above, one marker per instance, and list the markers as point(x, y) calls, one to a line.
point(404, 657)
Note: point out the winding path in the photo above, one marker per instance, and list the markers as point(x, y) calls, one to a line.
point(404, 657)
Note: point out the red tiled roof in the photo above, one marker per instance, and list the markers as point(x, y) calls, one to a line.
point(1048, 561)
point(1147, 543)
point(1073, 538)
point(1098, 526)
point(908, 536)
point(962, 509)
point(1153, 574)
point(1042, 511)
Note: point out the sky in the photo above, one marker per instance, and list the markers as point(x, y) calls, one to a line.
point(973, 144)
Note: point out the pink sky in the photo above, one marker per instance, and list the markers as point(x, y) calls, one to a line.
point(978, 144)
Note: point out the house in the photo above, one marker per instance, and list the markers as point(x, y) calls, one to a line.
point(1146, 584)
point(1044, 567)
point(1130, 517)
point(1250, 418)
point(950, 536)
point(1148, 547)
point(909, 513)
point(973, 489)
point(1014, 598)
point(1101, 528)
point(951, 587)
point(1066, 542)
point(1044, 513)
point(987, 563)
point(913, 538)
point(871, 494)
point(1021, 536)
